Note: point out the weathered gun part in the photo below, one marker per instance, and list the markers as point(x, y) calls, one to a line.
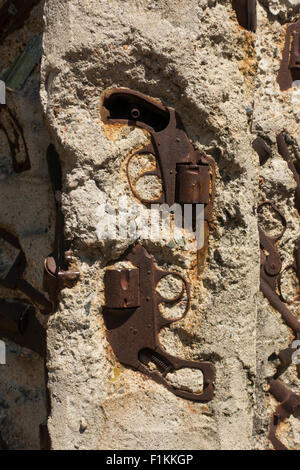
point(285, 153)
point(57, 276)
point(13, 14)
point(246, 13)
point(289, 404)
point(19, 324)
point(12, 129)
point(11, 276)
point(290, 65)
point(187, 175)
point(271, 268)
point(134, 322)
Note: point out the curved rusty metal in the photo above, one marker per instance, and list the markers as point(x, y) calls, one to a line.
point(289, 404)
point(270, 271)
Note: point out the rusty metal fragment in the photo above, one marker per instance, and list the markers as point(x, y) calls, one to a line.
point(133, 330)
point(18, 323)
point(289, 405)
point(290, 64)
point(246, 13)
point(271, 269)
point(13, 14)
point(12, 269)
point(57, 275)
point(186, 174)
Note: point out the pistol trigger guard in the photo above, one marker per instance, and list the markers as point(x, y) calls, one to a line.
point(159, 274)
point(155, 172)
point(292, 267)
point(281, 216)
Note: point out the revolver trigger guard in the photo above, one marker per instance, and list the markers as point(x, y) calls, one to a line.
point(292, 267)
point(159, 274)
point(281, 216)
point(156, 172)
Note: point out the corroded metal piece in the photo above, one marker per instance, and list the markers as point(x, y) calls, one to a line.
point(19, 324)
point(133, 332)
point(271, 268)
point(192, 184)
point(289, 404)
point(12, 129)
point(12, 277)
point(246, 13)
point(169, 144)
point(290, 65)
point(13, 15)
point(57, 276)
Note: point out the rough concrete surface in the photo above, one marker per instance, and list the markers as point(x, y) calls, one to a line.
point(193, 56)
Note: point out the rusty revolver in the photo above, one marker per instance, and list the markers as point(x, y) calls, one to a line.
point(188, 177)
point(133, 322)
